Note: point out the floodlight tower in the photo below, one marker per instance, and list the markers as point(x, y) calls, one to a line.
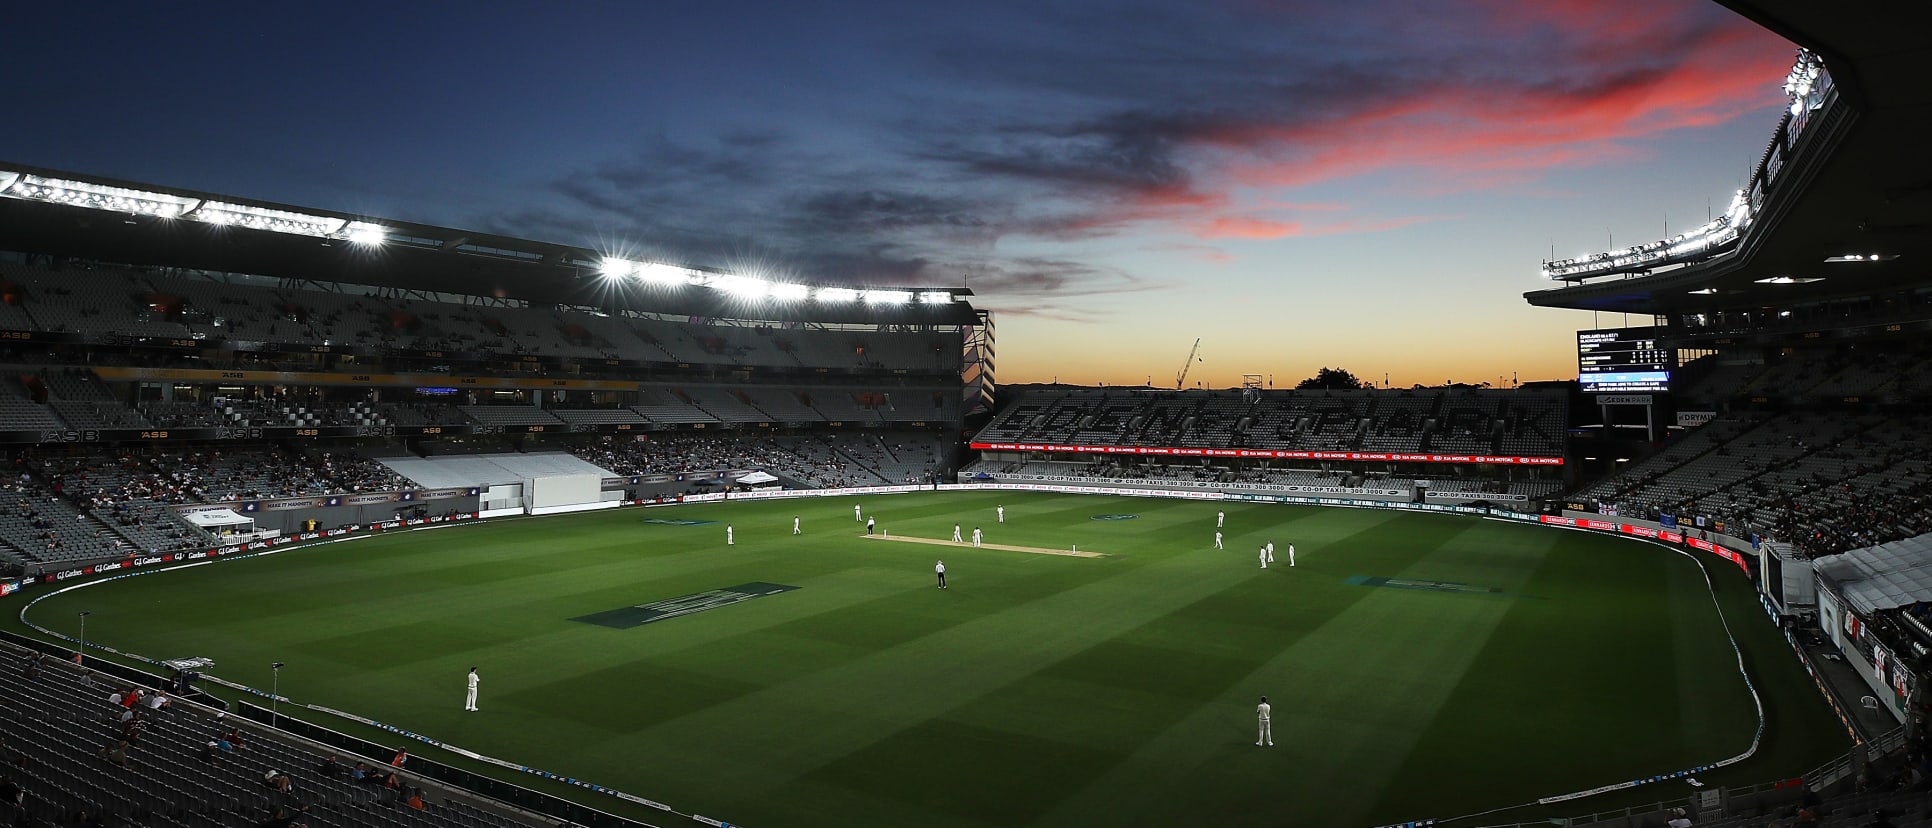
point(1251, 388)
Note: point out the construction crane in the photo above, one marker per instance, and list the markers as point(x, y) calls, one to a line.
point(1193, 356)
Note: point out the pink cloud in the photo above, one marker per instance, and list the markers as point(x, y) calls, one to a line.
point(1461, 128)
point(1628, 72)
point(1236, 227)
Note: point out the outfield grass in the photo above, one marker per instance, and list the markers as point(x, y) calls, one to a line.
point(1038, 689)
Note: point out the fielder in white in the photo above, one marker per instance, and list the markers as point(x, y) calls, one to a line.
point(1217, 541)
point(1291, 554)
point(976, 536)
point(469, 701)
point(728, 539)
point(1271, 552)
point(1220, 519)
point(856, 518)
point(956, 537)
point(1264, 557)
point(795, 529)
point(1002, 511)
point(1267, 733)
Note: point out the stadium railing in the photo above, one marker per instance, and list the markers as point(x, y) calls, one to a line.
point(450, 776)
point(1736, 798)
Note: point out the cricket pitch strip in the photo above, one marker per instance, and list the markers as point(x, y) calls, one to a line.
point(1065, 553)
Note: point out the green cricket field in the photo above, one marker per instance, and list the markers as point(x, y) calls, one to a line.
point(1419, 666)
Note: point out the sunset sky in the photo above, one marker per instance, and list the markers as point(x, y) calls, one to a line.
point(1368, 185)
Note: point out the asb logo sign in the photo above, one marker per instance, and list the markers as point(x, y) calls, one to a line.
point(1114, 517)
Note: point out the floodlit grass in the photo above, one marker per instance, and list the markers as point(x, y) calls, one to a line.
point(1038, 689)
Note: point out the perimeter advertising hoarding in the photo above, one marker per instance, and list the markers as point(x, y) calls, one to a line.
point(1169, 451)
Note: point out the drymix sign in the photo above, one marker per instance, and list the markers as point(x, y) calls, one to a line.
point(1693, 419)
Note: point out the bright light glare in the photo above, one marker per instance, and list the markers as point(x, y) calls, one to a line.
point(263, 218)
point(836, 294)
point(98, 196)
point(665, 274)
point(1719, 232)
point(746, 287)
point(363, 232)
point(888, 297)
point(616, 268)
point(936, 297)
point(788, 292)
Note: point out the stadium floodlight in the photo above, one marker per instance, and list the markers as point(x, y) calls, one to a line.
point(790, 291)
point(366, 233)
point(744, 287)
point(7, 179)
point(1716, 234)
point(264, 218)
point(935, 297)
point(836, 294)
point(616, 268)
point(665, 274)
point(1807, 82)
point(98, 196)
point(1790, 280)
point(887, 297)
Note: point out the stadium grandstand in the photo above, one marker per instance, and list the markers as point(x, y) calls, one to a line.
point(1776, 397)
point(211, 374)
point(188, 377)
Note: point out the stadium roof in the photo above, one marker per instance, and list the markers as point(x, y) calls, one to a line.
point(90, 217)
point(1860, 184)
point(1886, 576)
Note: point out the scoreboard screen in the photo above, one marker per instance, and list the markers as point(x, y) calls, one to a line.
point(1623, 359)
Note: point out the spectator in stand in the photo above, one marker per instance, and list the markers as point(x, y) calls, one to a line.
point(114, 754)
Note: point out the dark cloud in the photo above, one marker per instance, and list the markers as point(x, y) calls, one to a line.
point(981, 138)
point(872, 212)
point(1127, 153)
